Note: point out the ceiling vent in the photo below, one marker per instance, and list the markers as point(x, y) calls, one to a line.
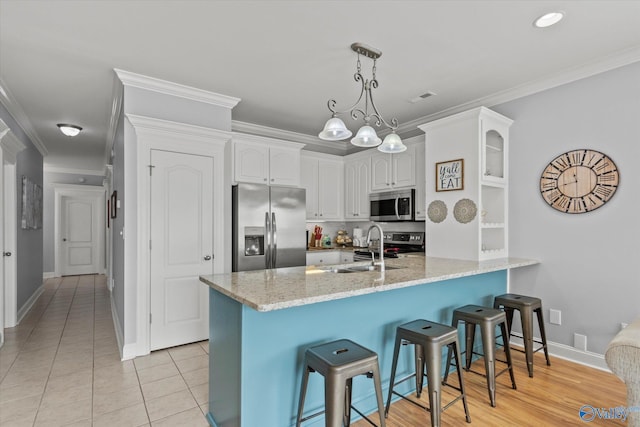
point(421, 97)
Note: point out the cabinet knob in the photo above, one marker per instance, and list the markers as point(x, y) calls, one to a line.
point(393, 183)
point(272, 179)
point(320, 214)
point(265, 179)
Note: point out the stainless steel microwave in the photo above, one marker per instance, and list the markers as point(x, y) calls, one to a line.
point(393, 205)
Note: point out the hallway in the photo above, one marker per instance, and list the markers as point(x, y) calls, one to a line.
point(61, 367)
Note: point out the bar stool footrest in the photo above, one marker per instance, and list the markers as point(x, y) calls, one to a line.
point(364, 416)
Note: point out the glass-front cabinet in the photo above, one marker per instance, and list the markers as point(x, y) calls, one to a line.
point(471, 221)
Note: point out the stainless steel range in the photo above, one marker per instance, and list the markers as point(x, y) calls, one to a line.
point(395, 242)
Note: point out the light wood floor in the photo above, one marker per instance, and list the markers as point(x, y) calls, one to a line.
point(553, 397)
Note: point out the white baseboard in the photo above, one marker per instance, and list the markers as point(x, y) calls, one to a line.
point(587, 358)
point(48, 275)
point(27, 305)
point(127, 351)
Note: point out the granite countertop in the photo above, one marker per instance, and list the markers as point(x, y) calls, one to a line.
point(268, 290)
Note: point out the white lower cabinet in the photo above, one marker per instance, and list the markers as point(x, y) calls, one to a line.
point(329, 257)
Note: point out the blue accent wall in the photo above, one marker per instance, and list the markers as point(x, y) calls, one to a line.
point(256, 357)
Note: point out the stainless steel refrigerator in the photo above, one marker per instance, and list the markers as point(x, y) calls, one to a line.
point(269, 227)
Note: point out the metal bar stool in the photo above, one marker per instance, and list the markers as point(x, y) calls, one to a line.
point(338, 362)
point(488, 318)
point(429, 339)
point(526, 306)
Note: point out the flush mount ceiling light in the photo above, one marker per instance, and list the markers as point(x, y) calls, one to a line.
point(69, 130)
point(548, 19)
point(335, 129)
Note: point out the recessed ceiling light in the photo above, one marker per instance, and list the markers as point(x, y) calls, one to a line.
point(69, 130)
point(548, 19)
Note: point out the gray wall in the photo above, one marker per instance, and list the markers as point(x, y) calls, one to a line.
point(117, 224)
point(48, 222)
point(589, 262)
point(28, 242)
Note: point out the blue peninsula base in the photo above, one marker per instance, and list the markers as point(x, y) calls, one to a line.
point(255, 365)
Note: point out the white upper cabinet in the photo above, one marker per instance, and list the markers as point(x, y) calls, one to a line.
point(357, 171)
point(322, 175)
point(391, 171)
point(261, 160)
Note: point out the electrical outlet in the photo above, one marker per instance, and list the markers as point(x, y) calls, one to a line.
point(580, 342)
point(555, 317)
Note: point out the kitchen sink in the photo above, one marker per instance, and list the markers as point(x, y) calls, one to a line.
point(357, 269)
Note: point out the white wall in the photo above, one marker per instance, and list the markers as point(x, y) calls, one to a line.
point(589, 262)
point(148, 103)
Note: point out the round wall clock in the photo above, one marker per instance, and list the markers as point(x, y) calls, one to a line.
point(579, 181)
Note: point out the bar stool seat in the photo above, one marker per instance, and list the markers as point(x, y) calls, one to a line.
point(526, 306)
point(488, 319)
point(429, 338)
point(338, 362)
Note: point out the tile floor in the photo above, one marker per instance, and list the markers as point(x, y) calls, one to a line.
point(61, 367)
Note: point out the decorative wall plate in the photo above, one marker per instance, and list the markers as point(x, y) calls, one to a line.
point(437, 211)
point(465, 211)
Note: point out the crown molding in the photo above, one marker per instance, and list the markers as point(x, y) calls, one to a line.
point(312, 143)
point(116, 109)
point(616, 60)
point(175, 89)
point(19, 116)
point(54, 169)
point(160, 126)
point(247, 137)
point(9, 143)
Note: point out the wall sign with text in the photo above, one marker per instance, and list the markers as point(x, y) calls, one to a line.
point(450, 175)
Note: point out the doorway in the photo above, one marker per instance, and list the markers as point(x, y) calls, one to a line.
point(181, 247)
point(10, 146)
point(79, 229)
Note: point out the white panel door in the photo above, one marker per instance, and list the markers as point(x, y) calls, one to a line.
point(181, 247)
point(79, 235)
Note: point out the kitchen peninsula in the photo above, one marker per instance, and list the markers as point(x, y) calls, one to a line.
point(262, 321)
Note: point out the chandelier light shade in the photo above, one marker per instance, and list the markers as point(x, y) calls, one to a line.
point(392, 144)
point(69, 130)
point(366, 137)
point(336, 130)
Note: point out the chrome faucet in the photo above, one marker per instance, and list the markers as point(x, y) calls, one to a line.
point(381, 248)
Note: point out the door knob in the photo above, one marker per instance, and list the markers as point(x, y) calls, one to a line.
point(207, 257)
point(64, 239)
point(6, 253)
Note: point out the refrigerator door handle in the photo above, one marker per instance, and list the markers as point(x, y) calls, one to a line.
point(267, 250)
point(274, 240)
